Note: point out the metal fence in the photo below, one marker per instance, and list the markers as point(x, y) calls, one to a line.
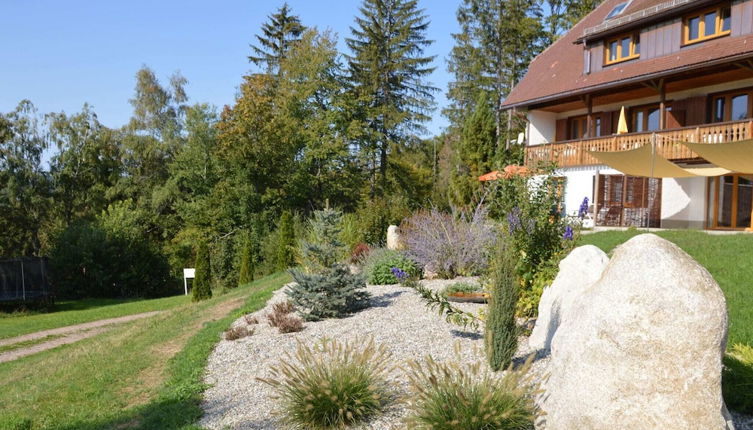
point(24, 279)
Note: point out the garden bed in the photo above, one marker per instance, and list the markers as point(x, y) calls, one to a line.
point(398, 318)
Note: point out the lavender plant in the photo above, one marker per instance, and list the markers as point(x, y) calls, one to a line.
point(450, 244)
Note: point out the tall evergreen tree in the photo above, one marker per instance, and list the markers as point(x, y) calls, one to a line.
point(498, 40)
point(387, 70)
point(563, 14)
point(278, 35)
point(202, 283)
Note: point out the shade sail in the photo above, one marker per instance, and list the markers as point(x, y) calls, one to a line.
point(642, 162)
point(736, 156)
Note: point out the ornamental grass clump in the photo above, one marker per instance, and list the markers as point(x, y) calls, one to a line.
point(450, 395)
point(332, 385)
point(450, 244)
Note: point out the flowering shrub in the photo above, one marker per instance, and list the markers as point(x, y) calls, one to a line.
point(379, 264)
point(450, 244)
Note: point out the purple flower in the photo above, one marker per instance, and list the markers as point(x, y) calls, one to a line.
point(513, 220)
point(399, 274)
point(568, 233)
point(583, 210)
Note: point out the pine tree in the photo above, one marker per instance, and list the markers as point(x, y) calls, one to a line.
point(248, 259)
point(285, 241)
point(202, 285)
point(327, 289)
point(387, 70)
point(278, 35)
point(498, 40)
point(501, 332)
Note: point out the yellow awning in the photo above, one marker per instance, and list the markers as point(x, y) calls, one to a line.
point(736, 156)
point(641, 162)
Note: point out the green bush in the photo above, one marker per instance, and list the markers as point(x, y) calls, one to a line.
point(332, 293)
point(249, 258)
point(332, 385)
point(379, 264)
point(461, 287)
point(376, 215)
point(737, 378)
point(202, 283)
point(322, 248)
point(285, 256)
point(501, 332)
point(453, 396)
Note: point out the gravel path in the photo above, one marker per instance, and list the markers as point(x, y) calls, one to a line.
point(397, 318)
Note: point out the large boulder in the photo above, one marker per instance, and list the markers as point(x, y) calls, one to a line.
point(643, 348)
point(394, 239)
point(578, 271)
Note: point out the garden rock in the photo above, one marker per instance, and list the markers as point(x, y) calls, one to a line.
point(643, 346)
point(578, 271)
point(394, 240)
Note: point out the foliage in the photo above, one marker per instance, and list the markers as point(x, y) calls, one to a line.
point(278, 36)
point(737, 378)
point(528, 302)
point(449, 244)
point(450, 395)
point(331, 385)
point(387, 70)
point(225, 263)
point(359, 253)
point(283, 319)
point(501, 331)
point(461, 287)
point(251, 319)
point(376, 215)
point(202, 287)
point(322, 248)
point(238, 332)
point(286, 241)
point(380, 262)
point(332, 293)
point(248, 260)
point(437, 301)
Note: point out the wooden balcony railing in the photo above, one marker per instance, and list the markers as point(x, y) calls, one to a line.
point(574, 152)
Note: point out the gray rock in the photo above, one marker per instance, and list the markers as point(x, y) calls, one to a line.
point(578, 271)
point(644, 347)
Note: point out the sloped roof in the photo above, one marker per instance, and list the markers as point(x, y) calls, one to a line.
point(558, 70)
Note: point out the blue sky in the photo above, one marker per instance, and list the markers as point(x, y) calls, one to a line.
point(61, 54)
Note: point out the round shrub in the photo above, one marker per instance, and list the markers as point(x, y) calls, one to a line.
point(379, 264)
point(331, 385)
point(737, 378)
point(453, 396)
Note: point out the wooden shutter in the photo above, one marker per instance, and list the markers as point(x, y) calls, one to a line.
point(606, 123)
point(675, 117)
point(695, 111)
point(561, 133)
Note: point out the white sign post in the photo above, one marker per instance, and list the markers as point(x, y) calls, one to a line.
point(188, 274)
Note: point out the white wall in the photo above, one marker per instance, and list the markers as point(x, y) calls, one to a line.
point(683, 202)
point(542, 127)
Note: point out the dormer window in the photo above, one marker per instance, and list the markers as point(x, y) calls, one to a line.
point(707, 24)
point(617, 10)
point(622, 48)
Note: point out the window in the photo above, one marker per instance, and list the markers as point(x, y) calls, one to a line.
point(617, 10)
point(578, 127)
point(707, 24)
point(732, 106)
point(731, 202)
point(623, 48)
point(645, 118)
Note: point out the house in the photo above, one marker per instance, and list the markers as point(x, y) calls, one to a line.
point(683, 72)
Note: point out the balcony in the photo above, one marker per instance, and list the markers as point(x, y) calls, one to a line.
point(575, 152)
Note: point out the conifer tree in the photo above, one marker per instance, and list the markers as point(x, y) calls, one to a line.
point(202, 285)
point(500, 331)
point(285, 241)
point(387, 70)
point(248, 260)
point(326, 289)
point(278, 35)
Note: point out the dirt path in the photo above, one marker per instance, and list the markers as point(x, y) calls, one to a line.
point(70, 334)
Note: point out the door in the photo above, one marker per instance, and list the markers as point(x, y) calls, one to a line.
point(731, 202)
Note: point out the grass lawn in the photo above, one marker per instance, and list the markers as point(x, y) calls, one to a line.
point(729, 259)
point(81, 311)
point(145, 374)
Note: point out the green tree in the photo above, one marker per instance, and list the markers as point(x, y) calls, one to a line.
point(86, 165)
point(497, 41)
point(277, 36)
point(500, 330)
point(563, 14)
point(391, 99)
point(24, 186)
point(249, 257)
point(475, 154)
point(285, 241)
point(202, 283)
point(321, 248)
